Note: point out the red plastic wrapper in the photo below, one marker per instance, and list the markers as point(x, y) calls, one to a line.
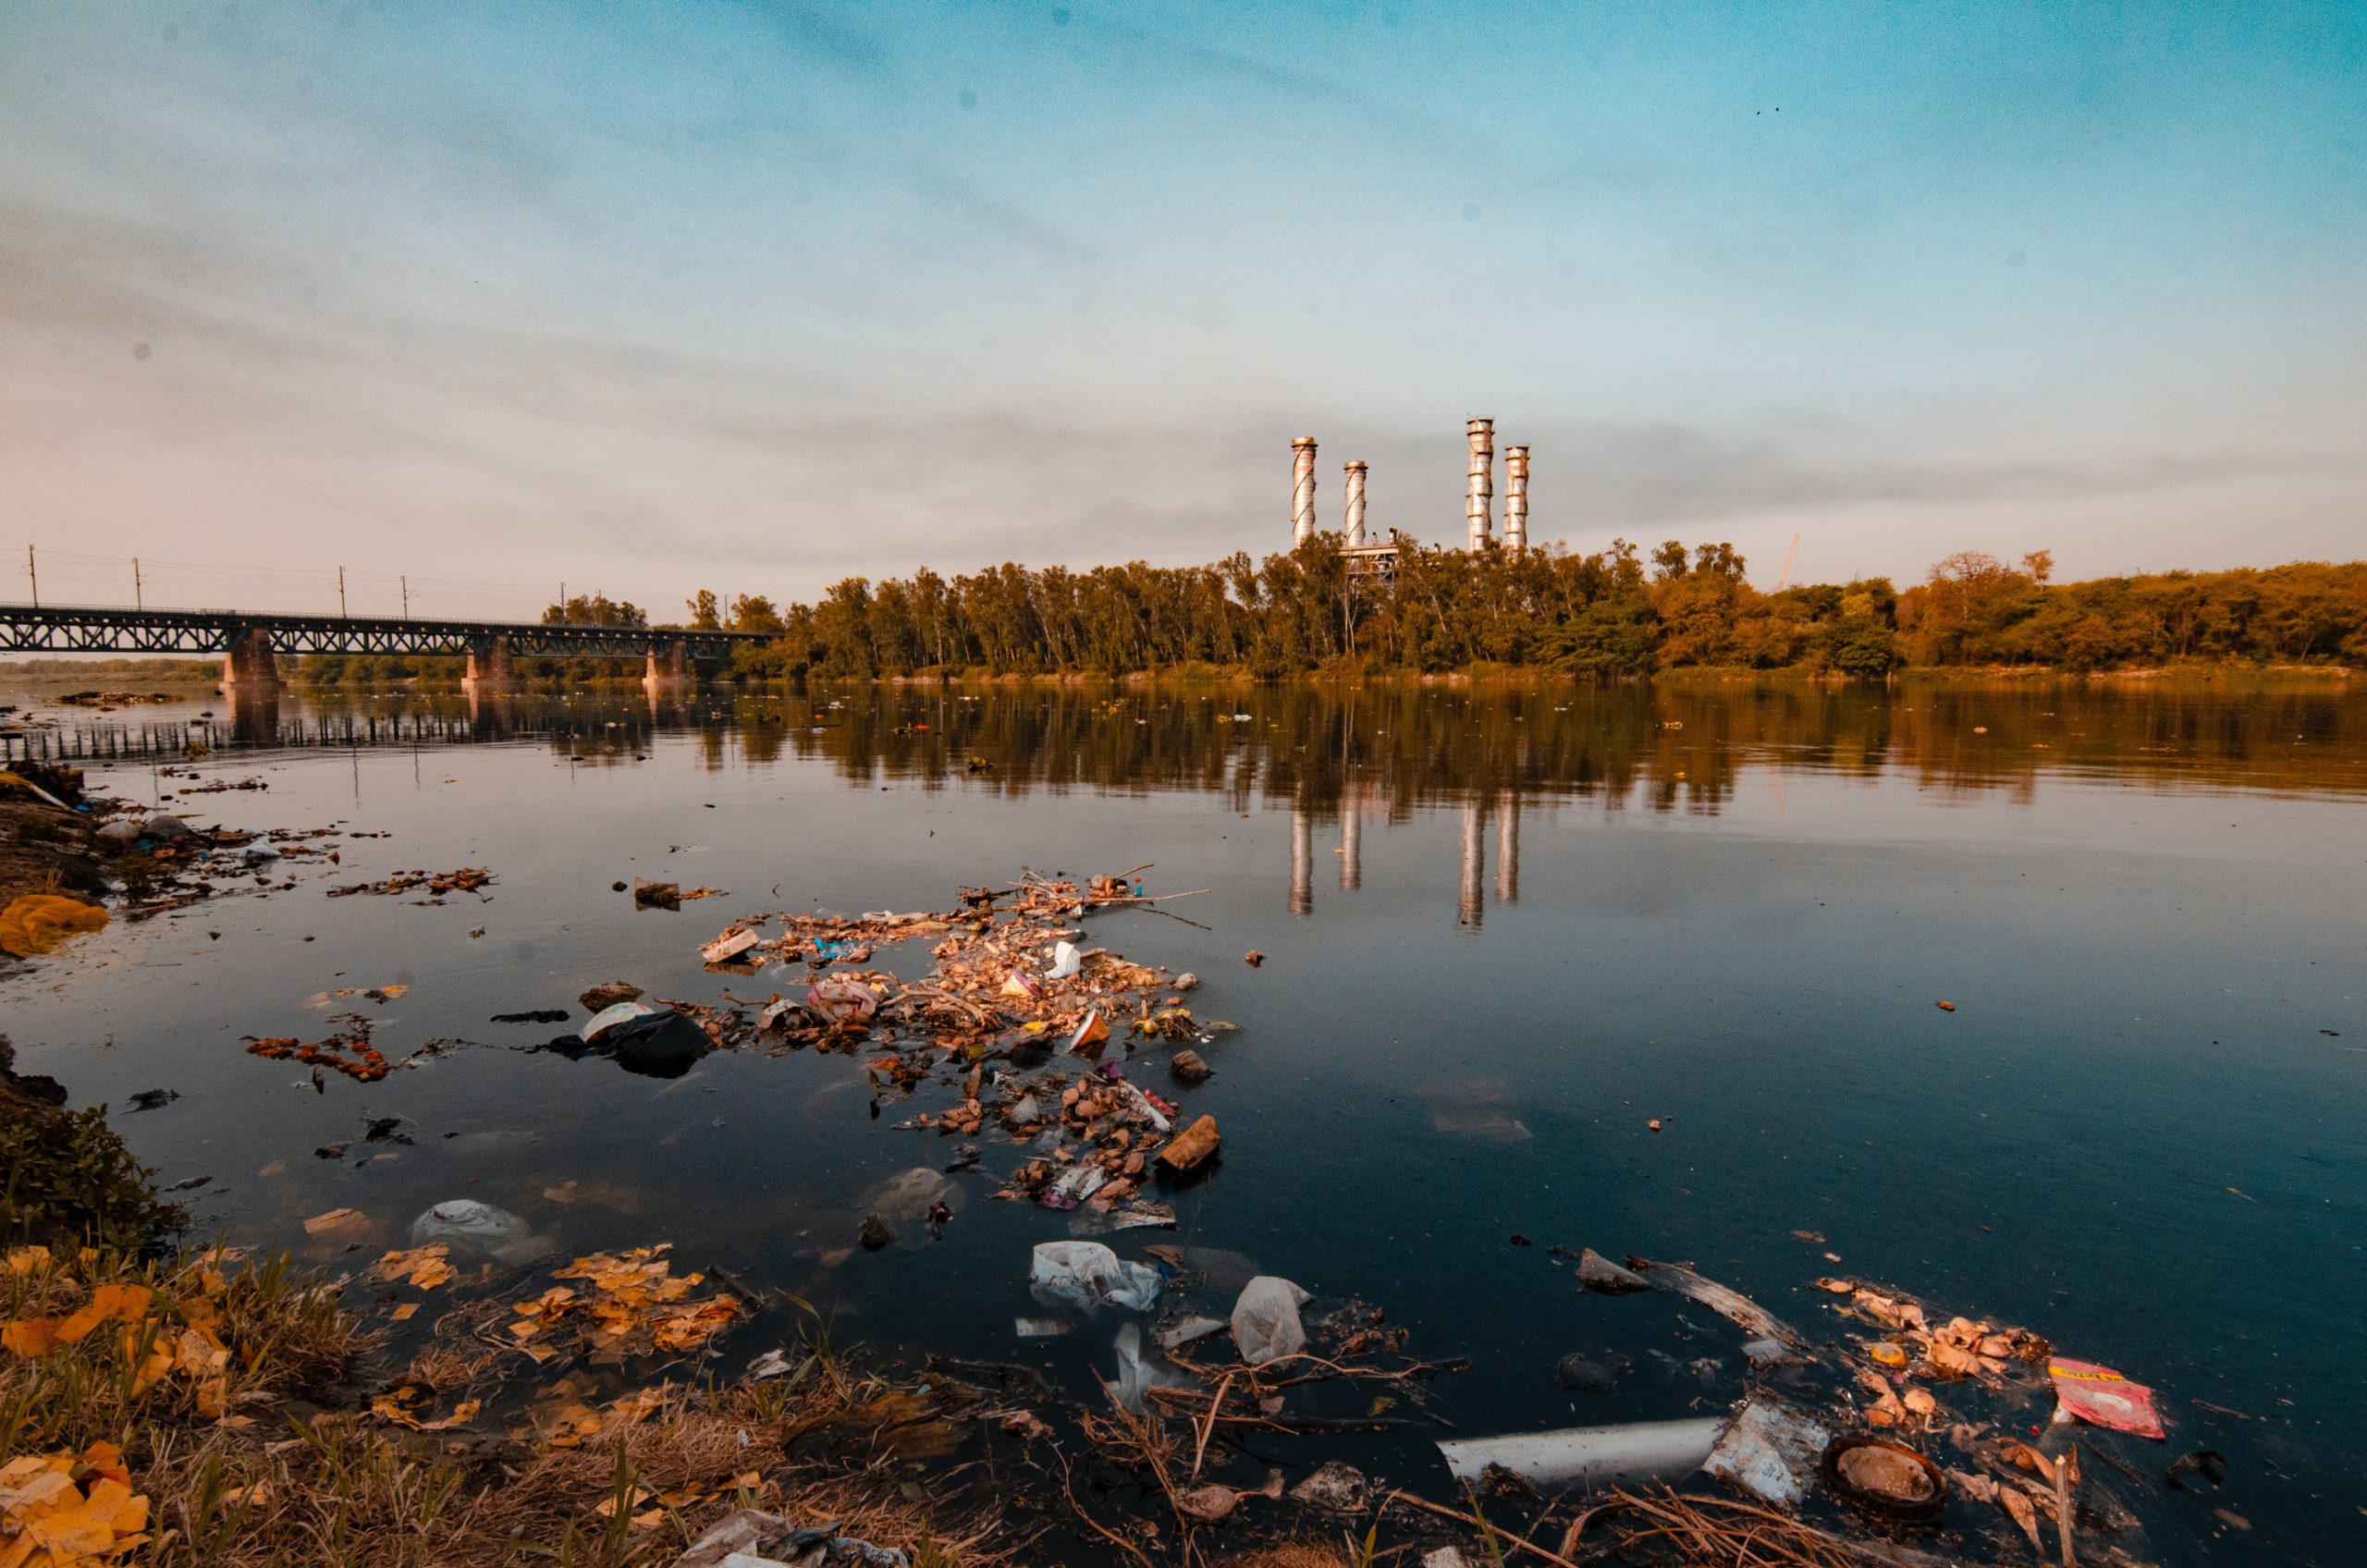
point(2101, 1397)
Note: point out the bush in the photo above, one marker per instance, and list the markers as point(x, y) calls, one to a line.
point(69, 1180)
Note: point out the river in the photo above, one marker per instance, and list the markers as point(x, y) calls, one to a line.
point(1506, 936)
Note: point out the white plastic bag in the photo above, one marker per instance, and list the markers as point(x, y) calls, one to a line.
point(1087, 1274)
point(1265, 1319)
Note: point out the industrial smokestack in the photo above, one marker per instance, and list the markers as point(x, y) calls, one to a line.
point(1302, 490)
point(1515, 497)
point(1483, 478)
point(1353, 531)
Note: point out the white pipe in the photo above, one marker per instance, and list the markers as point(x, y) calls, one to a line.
point(1642, 1451)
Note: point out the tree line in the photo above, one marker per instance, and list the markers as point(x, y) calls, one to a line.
point(1614, 613)
point(1617, 612)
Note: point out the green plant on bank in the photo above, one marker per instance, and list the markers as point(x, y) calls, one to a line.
point(66, 1179)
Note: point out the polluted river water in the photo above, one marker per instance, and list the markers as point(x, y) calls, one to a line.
point(1654, 972)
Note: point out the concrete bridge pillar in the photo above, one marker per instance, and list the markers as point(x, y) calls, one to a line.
point(249, 664)
point(670, 667)
point(489, 667)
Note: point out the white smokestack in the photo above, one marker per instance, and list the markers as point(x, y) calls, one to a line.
point(1302, 490)
point(1353, 531)
point(1483, 479)
point(1515, 497)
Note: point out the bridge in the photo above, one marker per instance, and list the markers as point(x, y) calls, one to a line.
point(247, 640)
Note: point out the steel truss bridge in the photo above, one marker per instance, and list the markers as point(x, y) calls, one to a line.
point(115, 629)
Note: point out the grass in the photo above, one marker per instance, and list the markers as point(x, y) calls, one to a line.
point(267, 1452)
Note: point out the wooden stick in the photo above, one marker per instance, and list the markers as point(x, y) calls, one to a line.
point(2063, 1508)
point(1201, 1446)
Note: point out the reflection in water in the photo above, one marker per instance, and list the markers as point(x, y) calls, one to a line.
point(1467, 906)
point(254, 712)
point(1386, 749)
point(1352, 846)
point(1302, 861)
point(1507, 848)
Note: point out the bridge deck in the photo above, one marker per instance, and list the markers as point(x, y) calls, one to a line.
point(116, 629)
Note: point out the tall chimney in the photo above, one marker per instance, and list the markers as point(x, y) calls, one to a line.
point(1483, 478)
point(1301, 489)
point(1353, 531)
point(1515, 497)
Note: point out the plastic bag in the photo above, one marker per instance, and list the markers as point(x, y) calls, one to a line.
point(1087, 1274)
point(1265, 1320)
point(467, 1226)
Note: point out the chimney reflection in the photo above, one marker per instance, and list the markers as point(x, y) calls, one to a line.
point(1302, 859)
point(1352, 836)
point(1474, 862)
point(1507, 848)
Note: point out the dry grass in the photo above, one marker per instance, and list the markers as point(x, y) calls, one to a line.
point(1291, 1554)
point(272, 1465)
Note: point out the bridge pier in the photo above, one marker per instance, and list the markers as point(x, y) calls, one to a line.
point(669, 668)
point(247, 662)
point(489, 669)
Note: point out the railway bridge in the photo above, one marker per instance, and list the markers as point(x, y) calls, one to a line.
point(248, 640)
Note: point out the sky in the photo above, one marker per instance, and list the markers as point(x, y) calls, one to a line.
point(482, 299)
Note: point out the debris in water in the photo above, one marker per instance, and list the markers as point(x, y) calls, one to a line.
point(2101, 1397)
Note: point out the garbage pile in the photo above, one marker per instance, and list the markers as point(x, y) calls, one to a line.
point(1906, 1425)
point(1013, 1016)
point(467, 879)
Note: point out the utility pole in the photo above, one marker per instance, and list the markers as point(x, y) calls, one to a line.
point(406, 583)
point(34, 570)
point(340, 593)
point(139, 598)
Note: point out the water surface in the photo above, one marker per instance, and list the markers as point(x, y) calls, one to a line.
point(1503, 932)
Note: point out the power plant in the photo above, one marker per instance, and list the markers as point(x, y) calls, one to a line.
point(1371, 557)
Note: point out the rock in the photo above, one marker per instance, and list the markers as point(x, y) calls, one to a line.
point(1585, 1375)
point(1265, 1320)
point(164, 829)
point(875, 1233)
point(1188, 1068)
point(152, 1099)
point(601, 997)
point(1336, 1488)
point(1445, 1556)
point(472, 1229)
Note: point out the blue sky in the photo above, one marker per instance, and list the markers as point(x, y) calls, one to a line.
point(759, 295)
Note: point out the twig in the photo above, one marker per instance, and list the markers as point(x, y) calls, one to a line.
point(1477, 1524)
point(1098, 1528)
point(1200, 1446)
